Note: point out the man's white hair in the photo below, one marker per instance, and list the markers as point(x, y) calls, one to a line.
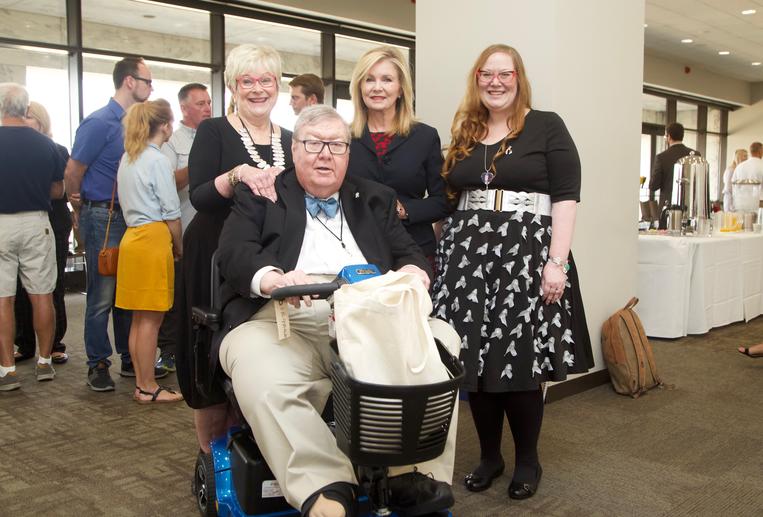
point(316, 113)
point(14, 100)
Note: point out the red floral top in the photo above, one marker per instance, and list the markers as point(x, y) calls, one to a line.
point(381, 141)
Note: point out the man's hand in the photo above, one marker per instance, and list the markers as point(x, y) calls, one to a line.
point(410, 268)
point(76, 201)
point(261, 181)
point(73, 175)
point(273, 280)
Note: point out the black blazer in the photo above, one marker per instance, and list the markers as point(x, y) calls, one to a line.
point(411, 167)
point(662, 172)
point(261, 233)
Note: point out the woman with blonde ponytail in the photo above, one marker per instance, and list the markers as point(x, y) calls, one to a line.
point(506, 280)
point(151, 208)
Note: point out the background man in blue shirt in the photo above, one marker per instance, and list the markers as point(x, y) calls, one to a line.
point(90, 176)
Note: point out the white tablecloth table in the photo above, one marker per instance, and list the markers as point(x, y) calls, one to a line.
point(688, 285)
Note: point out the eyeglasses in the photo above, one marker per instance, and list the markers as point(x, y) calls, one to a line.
point(487, 76)
point(138, 78)
point(247, 82)
point(316, 146)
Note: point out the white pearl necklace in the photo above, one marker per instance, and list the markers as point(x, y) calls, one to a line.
point(277, 154)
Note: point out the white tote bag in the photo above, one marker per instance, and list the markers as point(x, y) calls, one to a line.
point(383, 332)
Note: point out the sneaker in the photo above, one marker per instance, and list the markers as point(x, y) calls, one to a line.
point(44, 372)
point(9, 382)
point(128, 370)
point(166, 362)
point(415, 494)
point(98, 378)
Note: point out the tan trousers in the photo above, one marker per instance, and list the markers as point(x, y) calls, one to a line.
point(282, 387)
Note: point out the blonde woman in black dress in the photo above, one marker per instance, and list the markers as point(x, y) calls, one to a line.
point(506, 280)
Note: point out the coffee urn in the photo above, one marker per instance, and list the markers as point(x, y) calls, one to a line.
point(691, 194)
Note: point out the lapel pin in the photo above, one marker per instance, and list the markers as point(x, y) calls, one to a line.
point(357, 195)
point(508, 151)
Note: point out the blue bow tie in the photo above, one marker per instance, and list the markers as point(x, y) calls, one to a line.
point(327, 206)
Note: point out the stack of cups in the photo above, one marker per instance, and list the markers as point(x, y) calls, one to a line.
point(717, 222)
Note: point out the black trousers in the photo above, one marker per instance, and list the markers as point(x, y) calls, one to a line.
point(25, 337)
point(171, 330)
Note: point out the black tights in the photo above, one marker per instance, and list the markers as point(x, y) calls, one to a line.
point(524, 410)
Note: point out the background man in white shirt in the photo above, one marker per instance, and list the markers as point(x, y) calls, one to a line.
point(752, 167)
point(196, 106)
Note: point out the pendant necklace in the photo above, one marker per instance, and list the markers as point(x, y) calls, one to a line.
point(488, 175)
point(341, 226)
point(276, 151)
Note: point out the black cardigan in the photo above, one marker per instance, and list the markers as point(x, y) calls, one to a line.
point(411, 167)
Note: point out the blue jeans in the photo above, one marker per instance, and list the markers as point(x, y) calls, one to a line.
point(101, 289)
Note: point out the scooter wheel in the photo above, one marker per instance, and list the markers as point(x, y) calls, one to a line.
point(204, 485)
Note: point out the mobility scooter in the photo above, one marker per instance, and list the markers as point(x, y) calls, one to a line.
point(376, 426)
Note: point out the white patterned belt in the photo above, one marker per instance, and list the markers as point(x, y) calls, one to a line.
point(505, 201)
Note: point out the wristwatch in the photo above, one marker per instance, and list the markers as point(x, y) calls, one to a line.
point(559, 261)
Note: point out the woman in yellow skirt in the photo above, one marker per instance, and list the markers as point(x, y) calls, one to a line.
point(146, 270)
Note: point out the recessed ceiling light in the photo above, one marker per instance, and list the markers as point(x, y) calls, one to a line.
point(646, 25)
point(755, 63)
point(749, 11)
point(723, 52)
point(687, 40)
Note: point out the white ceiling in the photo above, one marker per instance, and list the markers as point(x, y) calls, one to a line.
point(714, 25)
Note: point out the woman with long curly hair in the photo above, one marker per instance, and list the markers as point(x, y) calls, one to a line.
point(506, 280)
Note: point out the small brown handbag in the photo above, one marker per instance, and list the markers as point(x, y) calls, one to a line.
point(108, 257)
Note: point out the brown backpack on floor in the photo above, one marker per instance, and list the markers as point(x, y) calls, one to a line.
point(628, 353)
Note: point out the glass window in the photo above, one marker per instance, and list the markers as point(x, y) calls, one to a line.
point(690, 139)
point(98, 86)
point(34, 20)
point(714, 120)
point(686, 114)
point(146, 28)
point(300, 49)
point(345, 109)
point(45, 76)
point(349, 50)
point(713, 157)
point(653, 109)
point(646, 171)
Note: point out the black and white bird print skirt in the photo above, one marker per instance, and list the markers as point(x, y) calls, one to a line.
point(488, 287)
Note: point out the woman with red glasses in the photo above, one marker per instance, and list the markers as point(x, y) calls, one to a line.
point(242, 147)
point(506, 280)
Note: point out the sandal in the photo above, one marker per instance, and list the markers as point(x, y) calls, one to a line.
point(155, 395)
point(59, 357)
point(746, 351)
point(18, 357)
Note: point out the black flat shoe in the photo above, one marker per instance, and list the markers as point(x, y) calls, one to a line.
point(746, 351)
point(477, 483)
point(518, 490)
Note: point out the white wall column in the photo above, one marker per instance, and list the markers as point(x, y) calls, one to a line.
point(585, 61)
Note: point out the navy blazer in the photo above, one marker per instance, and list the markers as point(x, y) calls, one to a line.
point(261, 233)
point(411, 167)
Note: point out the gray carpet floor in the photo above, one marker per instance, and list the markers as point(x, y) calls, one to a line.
point(692, 450)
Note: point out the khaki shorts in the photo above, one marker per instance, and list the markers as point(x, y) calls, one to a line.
point(27, 250)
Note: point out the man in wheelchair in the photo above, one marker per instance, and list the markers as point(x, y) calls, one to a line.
point(321, 222)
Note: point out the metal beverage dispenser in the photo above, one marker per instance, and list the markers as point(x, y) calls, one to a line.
point(691, 194)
